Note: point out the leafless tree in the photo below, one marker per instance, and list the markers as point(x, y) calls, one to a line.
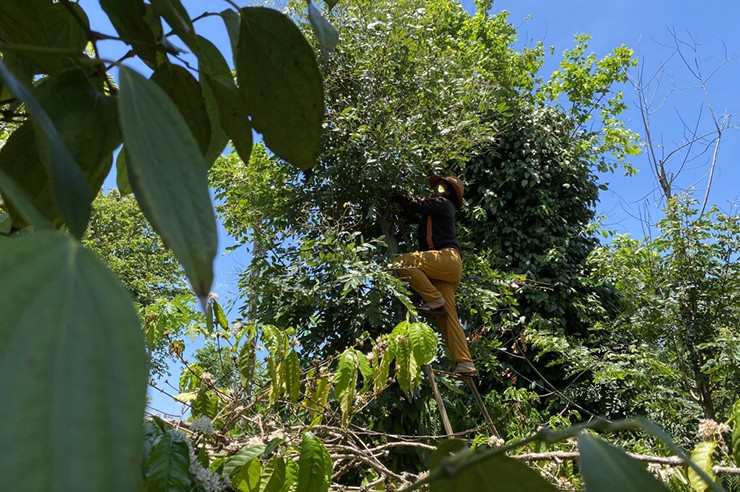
point(702, 133)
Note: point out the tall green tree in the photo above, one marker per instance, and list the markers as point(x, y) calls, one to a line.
point(680, 291)
point(120, 234)
point(413, 91)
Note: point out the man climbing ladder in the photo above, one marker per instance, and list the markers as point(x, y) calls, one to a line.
point(434, 271)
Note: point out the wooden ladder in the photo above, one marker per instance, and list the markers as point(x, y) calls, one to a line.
point(432, 375)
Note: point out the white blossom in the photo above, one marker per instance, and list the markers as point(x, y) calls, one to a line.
point(204, 425)
point(207, 478)
point(709, 430)
point(208, 378)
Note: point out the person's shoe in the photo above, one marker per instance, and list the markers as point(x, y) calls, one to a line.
point(465, 369)
point(433, 305)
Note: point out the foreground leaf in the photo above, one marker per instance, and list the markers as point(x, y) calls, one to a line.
point(168, 176)
point(218, 85)
point(43, 24)
point(281, 84)
point(71, 192)
point(495, 474)
point(187, 95)
point(71, 339)
point(702, 456)
point(605, 467)
point(128, 17)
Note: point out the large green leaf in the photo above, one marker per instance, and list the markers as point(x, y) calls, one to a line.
point(70, 338)
point(241, 458)
point(168, 176)
point(606, 467)
point(232, 21)
point(423, 343)
point(292, 376)
point(87, 121)
point(71, 192)
point(128, 18)
point(34, 24)
point(495, 474)
point(702, 456)
point(406, 367)
point(249, 477)
point(365, 369)
point(187, 95)
point(312, 465)
point(444, 450)
point(273, 475)
point(20, 161)
point(177, 17)
point(281, 83)
point(291, 476)
point(86, 118)
point(168, 465)
point(11, 192)
point(232, 113)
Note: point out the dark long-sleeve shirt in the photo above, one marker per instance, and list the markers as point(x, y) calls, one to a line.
point(437, 224)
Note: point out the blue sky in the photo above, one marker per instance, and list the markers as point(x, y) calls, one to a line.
point(644, 26)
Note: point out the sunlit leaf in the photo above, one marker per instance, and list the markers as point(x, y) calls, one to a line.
point(406, 367)
point(168, 176)
point(345, 382)
point(606, 467)
point(219, 315)
point(292, 370)
point(167, 466)
point(122, 182)
point(423, 343)
point(71, 339)
point(367, 372)
point(325, 32)
point(249, 477)
point(281, 84)
point(273, 475)
point(702, 456)
point(312, 476)
point(241, 458)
